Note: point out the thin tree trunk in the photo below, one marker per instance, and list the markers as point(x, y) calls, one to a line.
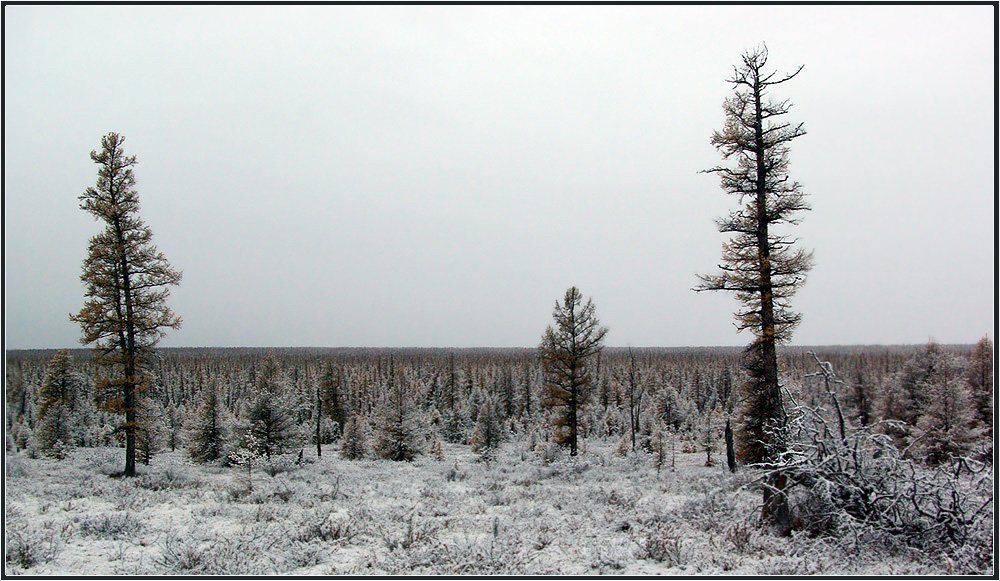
point(730, 449)
point(319, 407)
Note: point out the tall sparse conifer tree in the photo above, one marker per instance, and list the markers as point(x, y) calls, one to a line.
point(127, 284)
point(761, 266)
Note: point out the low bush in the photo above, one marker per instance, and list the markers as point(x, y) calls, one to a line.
point(854, 484)
point(663, 544)
point(114, 526)
point(170, 478)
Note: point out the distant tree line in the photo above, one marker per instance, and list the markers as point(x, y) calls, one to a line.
point(397, 403)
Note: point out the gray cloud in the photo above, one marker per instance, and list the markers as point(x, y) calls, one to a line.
point(438, 176)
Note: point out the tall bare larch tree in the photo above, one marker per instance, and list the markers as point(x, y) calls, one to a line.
point(565, 351)
point(127, 284)
point(762, 267)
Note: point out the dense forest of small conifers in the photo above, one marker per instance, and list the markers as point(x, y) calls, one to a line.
point(689, 391)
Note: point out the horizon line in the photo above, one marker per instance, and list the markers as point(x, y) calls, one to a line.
point(469, 348)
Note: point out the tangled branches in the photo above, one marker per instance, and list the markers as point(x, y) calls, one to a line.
point(853, 483)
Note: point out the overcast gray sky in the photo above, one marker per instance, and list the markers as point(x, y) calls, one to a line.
point(438, 176)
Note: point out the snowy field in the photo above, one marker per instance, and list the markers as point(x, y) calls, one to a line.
point(528, 512)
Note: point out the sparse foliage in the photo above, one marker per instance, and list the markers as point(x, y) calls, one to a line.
point(634, 392)
point(249, 455)
point(565, 351)
point(127, 284)
point(759, 265)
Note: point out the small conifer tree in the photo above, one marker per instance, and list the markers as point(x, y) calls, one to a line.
point(55, 433)
point(399, 433)
point(207, 428)
point(152, 429)
point(947, 421)
point(271, 414)
point(488, 433)
point(354, 442)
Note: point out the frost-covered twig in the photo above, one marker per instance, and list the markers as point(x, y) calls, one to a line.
point(860, 482)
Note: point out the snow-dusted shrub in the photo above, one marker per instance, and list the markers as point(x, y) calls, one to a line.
point(663, 544)
point(171, 477)
point(436, 447)
point(794, 566)
point(853, 483)
point(252, 550)
point(113, 526)
point(324, 525)
point(274, 489)
point(25, 548)
point(105, 461)
point(624, 445)
point(498, 551)
point(317, 493)
point(279, 464)
point(625, 499)
point(14, 466)
point(182, 555)
point(406, 531)
point(549, 452)
point(739, 536)
point(26, 545)
point(453, 473)
point(612, 557)
point(125, 496)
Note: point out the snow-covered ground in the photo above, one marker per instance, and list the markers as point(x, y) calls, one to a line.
point(599, 513)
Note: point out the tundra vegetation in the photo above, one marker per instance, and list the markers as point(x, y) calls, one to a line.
point(441, 475)
point(569, 458)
